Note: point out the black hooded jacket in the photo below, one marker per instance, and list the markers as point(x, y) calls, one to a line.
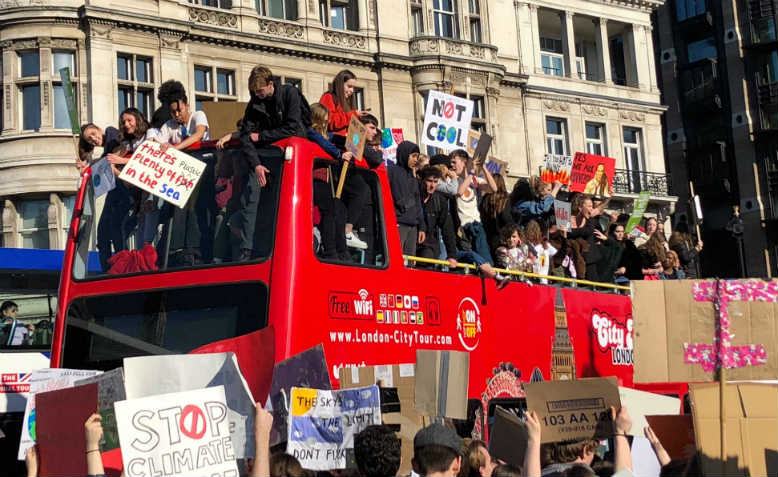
point(405, 188)
point(283, 115)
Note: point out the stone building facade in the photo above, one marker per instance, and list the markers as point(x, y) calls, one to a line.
point(546, 77)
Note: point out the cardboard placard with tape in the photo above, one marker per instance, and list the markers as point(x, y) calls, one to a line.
point(441, 383)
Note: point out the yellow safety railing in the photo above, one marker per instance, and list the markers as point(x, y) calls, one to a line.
point(572, 281)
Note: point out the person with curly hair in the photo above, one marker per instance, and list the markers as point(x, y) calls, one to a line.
point(377, 451)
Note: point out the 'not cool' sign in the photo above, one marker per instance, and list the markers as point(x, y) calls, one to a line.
point(446, 121)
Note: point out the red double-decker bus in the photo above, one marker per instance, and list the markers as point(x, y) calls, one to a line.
point(378, 308)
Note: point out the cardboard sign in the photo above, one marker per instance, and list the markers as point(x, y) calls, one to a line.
point(676, 433)
point(356, 137)
point(750, 427)
point(441, 383)
point(306, 369)
point(223, 116)
point(43, 380)
point(484, 143)
point(556, 168)
point(390, 139)
point(472, 142)
point(402, 378)
point(187, 372)
point(60, 429)
point(171, 175)
point(562, 213)
point(675, 327)
point(641, 404)
point(182, 434)
point(572, 410)
point(110, 389)
point(508, 437)
point(103, 180)
point(641, 204)
point(446, 121)
point(592, 174)
point(496, 166)
point(15, 378)
point(322, 424)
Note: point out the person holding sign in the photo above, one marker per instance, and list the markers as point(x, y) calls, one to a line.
point(467, 202)
point(340, 102)
point(275, 112)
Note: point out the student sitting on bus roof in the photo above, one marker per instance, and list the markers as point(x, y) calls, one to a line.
point(185, 127)
point(275, 112)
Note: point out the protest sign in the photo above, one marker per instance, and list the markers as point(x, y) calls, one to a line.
point(43, 380)
point(472, 142)
point(572, 410)
point(750, 423)
point(508, 437)
point(402, 378)
point(306, 369)
point(390, 139)
point(110, 388)
point(441, 382)
point(676, 433)
point(641, 204)
point(355, 138)
point(592, 174)
point(644, 460)
point(600, 328)
point(676, 338)
point(103, 180)
point(256, 356)
point(484, 144)
point(496, 166)
point(60, 420)
point(182, 434)
point(446, 121)
point(15, 379)
point(171, 175)
point(642, 404)
point(562, 213)
point(322, 424)
point(556, 168)
point(223, 116)
point(187, 372)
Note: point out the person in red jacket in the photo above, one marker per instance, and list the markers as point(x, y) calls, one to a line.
point(340, 102)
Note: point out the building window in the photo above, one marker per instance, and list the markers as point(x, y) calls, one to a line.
point(633, 155)
point(685, 9)
point(444, 14)
point(62, 59)
point(136, 83)
point(30, 64)
point(296, 82)
point(580, 61)
point(701, 49)
point(225, 4)
point(417, 18)
point(204, 86)
point(478, 122)
point(359, 99)
point(31, 107)
point(595, 139)
point(767, 68)
point(34, 229)
point(763, 30)
point(474, 18)
point(282, 9)
point(551, 58)
point(339, 14)
point(556, 136)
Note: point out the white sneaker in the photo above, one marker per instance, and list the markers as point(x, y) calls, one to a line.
point(353, 241)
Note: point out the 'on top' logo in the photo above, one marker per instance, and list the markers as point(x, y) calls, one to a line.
point(469, 323)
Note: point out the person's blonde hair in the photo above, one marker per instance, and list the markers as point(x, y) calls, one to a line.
point(320, 117)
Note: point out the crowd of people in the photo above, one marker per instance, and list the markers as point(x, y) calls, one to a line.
point(448, 206)
point(437, 451)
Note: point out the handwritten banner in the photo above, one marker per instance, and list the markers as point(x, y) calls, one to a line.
point(170, 175)
point(556, 168)
point(446, 121)
point(182, 434)
point(592, 174)
point(322, 424)
point(641, 204)
point(562, 214)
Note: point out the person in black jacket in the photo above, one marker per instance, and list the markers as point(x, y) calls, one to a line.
point(275, 112)
point(406, 197)
point(436, 217)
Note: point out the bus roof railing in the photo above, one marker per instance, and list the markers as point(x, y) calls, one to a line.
point(572, 281)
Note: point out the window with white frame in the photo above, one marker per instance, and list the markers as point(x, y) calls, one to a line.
point(444, 13)
point(225, 4)
point(556, 136)
point(478, 123)
point(595, 139)
point(282, 9)
point(633, 156)
point(284, 79)
point(551, 57)
point(580, 61)
point(62, 59)
point(417, 18)
point(474, 20)
point(339, 14)
point(206, 89)
point(134, 74)
point(34, 223)
point(28, 82)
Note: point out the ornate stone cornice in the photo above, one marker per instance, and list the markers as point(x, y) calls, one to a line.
point(424, 46)
point(632, 116)
point(170, 39)
point(276, 28)
point(21, 3)
point(213, 17)
point(594, 110)
point(344, 40)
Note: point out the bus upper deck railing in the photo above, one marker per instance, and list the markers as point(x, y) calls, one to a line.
point(572, 281)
